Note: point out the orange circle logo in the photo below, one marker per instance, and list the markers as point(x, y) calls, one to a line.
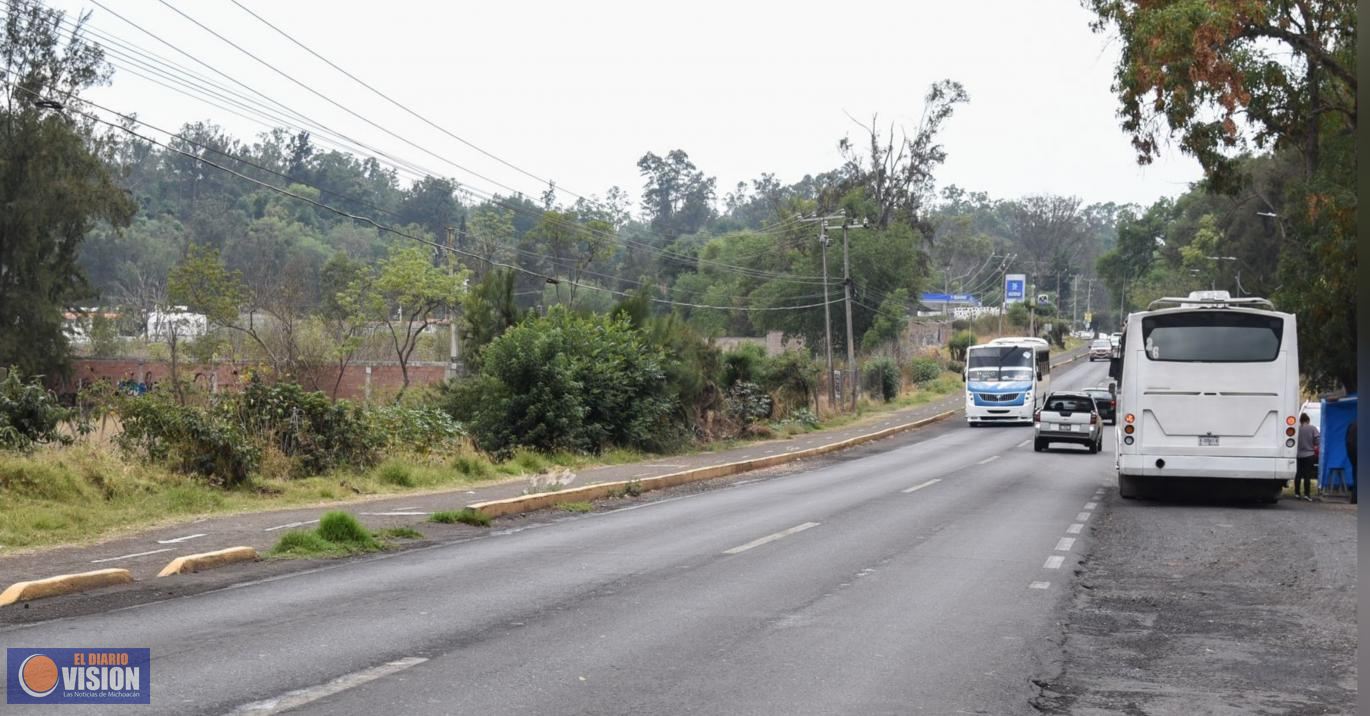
point(38, 675)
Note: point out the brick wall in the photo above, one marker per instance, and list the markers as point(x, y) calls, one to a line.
point(378, 380)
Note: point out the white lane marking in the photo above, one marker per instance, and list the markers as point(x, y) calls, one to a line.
point(394, 514)
point(298, 698)
point(915, 488)
point(770, 538)
point(1091, 505)
point(174, 540)
point(1064, 544)
point(1025, 444)
point(987, 460)
point(1074, 529)
point(130, 556)
point(1054, 562)
point(1082, 517)
point(662, 464)
point(288, 525)
point(1039, 585)
point(406, 507)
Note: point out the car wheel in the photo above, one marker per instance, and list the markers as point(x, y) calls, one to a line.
point(1039, 445)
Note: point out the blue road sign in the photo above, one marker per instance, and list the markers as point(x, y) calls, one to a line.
point(1015, 287)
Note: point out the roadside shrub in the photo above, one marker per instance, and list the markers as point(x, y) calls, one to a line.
point(925, 370)
point(747, 403)
point(743, 364)
point(960, 324)
point(472, 467)
point(805, 417)
point(793, 376)
point(302, 543)
point(397, 474)
point(29, 413)
point(956, 367)
point(344, 529)
point(422, 429)
point(465, 515)
point(320, 433)
point(882, 378)
point(202, 441)
point(959, 343)
point(572, 383)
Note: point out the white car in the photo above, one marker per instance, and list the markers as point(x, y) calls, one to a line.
point(1068, 417)
point(1100, 348)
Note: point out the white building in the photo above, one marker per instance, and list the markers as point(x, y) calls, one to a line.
point(161, 324)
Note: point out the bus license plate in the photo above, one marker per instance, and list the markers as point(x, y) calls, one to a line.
point(1208, 441)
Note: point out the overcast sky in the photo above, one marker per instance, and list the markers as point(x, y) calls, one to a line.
point(578, 91)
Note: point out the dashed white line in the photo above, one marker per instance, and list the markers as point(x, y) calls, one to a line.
point(1083, 516)
point(130, 556)
point(174, 540)
point(1091, 505)
point(295, 699)
point(394, 514)
point(915, 488)
point(1074, 529)
point(987, 460)
point(1039, 585)
point(770, 538)
point(1054, 562)
point(1064, 544)
point(1025, 444)
point(288, 525)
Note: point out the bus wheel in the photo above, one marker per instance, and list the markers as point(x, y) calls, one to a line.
point(1128, 487)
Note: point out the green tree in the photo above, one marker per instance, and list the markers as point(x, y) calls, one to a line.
point(488, 310)
point(676, 196)
point(407, 294)
point(53, 183)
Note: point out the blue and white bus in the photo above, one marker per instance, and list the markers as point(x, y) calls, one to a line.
point(1006, 380)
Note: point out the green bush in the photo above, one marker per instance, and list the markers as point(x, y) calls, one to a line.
point(473, 467)
point(743, 364)
point(465, 515)
point(956, 367)
point(396, 474)
point(959, 343)
point(29, 413)
point(320, 433)
point(423, 429)
point(747, 403)
point(881, 377)
point(202, 441)
point(570, 383)
point(344, 529)
point(960, 324)
point(792, 375)
point(303, 543)
point(925, 370)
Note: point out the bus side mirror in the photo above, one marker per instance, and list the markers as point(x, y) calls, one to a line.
point(1115, 368)
point(1039, 375)
point(963, 377)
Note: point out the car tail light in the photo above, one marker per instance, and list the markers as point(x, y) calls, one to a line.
point(1113, 404)
point(1036, 416)
point(1093, 418)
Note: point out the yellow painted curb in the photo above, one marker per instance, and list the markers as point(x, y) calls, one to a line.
point(208, 560)
point(63, 584)
point(544, 500)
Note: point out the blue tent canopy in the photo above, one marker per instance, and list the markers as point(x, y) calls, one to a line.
point(1336, 417)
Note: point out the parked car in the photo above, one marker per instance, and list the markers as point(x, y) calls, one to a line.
point(1068, 417)
point(1105, 403)
point(1100, 348)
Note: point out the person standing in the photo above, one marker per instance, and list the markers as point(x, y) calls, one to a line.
point(1308, 458)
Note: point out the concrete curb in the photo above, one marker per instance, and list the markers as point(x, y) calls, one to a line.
point(63, 584)
point(208, 560)
point(544, 500)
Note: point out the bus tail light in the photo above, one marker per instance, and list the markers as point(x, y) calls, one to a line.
point(1129, 418)
point(1129, 429)
point(1290, 421)
point(1289, 432)
point(1289, 442)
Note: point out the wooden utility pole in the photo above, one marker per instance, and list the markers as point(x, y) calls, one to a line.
point(851, 346)
point(827, 316)
point(454, 367)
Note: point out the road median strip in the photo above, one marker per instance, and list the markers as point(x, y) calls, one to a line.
point(63, 584)
point(208, 560)
point(540, 501)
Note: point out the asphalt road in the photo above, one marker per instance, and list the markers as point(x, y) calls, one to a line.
point(922, 578)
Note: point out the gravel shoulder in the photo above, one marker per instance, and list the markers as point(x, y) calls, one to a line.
point(1211, 609)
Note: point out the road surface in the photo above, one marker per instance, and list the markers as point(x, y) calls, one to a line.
point(914, 576)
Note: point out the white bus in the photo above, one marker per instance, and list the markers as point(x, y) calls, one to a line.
point(1006, 380)
point(1207, 388)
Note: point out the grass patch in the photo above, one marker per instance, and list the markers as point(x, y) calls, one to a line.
point(395, 473)
point(338, 534)
point(304, 544)
point(473, 467)
point(342, 528)
point(465, 515)
point(400, 533)
point(575, 507)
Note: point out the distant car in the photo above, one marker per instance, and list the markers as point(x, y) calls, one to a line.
point(1068, 417)
point(1100, 348)
point(1314, 410)
point(1105, 403)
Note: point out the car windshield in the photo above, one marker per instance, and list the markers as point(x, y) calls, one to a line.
point(999, 363)
point(1102, 343)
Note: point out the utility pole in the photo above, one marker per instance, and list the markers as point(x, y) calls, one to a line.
point(1003, 291)
point(1074, 303)
point(454, 343)
point(846, 286)
point(827, 315)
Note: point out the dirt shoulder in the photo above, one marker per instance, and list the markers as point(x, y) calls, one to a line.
point(1211, 609)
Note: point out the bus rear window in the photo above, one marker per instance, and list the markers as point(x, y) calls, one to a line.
point(1213, 337)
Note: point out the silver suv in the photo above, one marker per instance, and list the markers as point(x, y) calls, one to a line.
point(1068, 418)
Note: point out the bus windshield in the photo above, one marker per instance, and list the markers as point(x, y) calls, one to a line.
point(999, 363)
point(1212, 337)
